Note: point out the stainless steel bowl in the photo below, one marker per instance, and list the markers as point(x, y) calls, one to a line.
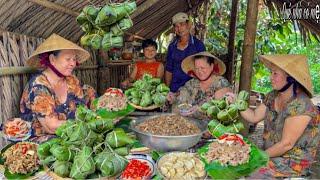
point(168, 143)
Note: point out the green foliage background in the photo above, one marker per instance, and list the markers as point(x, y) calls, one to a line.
point(274, 36)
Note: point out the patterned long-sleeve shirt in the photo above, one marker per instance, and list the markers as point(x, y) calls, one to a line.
point(39, 100)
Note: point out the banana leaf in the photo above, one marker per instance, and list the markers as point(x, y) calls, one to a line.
point(106, 16)
point(205, 106)
point(91, 12)
point(242, 105)
point(81, 112)
point(109, 164)
point(15, 176)
point(163, 88)
point(118, 138)
point(48, 160)
point(243, 95)
point(77, 133)
point(122, 151)
point(112, 13)
point(81, 19)
point(62, 168)
point(62, 152)
point(83, 164)
point(146, 99)
point(87, 27)
point(159, 99)
point(215, 170)
point(65, 129)
point(109, 41)
point(95, 41)
point(217, 129)
point(103, 113)
point(43, 149)
point(121, 26)
point(90, 139)
point(101, 125)
point(155, 81)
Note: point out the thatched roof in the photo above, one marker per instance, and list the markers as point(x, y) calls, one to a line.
point(41, 18)
point(306, 26)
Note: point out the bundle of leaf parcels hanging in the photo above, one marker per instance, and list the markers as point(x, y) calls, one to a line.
point(105, 26)
point(225, 116)
point(86, 147)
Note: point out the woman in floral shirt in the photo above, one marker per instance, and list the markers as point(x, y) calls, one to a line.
point(291, 132)
point(206, 84)
point(51, 97)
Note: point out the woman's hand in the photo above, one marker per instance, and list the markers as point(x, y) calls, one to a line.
point(171, 97)
point(189, 112)
point(51, 123)
point(125, 84)
point(231, 97)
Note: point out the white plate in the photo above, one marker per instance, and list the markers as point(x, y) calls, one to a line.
point(18, 139)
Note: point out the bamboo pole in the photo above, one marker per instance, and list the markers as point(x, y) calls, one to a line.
point(232, 35)
point(5, 71)
point(146, 5)
point(55, 7)
point(248, 49)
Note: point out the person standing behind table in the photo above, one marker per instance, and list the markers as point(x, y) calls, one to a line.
point(182, 46)
point(149, 65)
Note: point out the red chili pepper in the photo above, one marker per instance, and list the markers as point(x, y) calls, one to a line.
point(24, 149)
point(232, 137)
point(114, 91)
point(136, 170)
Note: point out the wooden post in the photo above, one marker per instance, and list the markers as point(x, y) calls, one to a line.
point(232, 34)
point(248, 49)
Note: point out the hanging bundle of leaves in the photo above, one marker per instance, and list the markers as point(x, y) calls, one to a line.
point(110, 41)
point(112, 13)
point(91, 12)
point(121, 26)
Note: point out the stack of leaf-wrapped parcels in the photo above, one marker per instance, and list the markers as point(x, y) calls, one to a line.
point(225, 116)
point(147, 91)
point(104, 27)
point(87, 147)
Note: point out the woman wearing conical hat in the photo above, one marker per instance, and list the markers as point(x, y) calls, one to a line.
point(207, 83)
point(51, 97)
point(291, 129)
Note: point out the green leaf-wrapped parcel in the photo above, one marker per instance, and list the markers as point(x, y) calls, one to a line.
point(118, 138)
point(62, 168)
point(83, 164)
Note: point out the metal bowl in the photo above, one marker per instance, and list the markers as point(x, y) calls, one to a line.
point(168, 143)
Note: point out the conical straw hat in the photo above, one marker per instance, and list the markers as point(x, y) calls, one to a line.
point(54, 43)
point(295, 65)
point(188, 63)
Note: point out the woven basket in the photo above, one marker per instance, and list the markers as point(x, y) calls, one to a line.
point(144, 108)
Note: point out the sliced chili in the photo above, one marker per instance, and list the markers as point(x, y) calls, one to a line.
point(136, 170)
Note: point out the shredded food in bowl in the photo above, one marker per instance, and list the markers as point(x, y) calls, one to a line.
point(229, 152)
point(169, 125)
point(16, 128)
point(22, 158)
point(112, 100)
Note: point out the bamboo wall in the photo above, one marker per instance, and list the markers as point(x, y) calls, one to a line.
point(16, 48)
